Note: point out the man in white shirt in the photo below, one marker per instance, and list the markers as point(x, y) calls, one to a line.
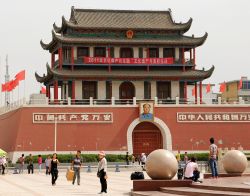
point(191, 171)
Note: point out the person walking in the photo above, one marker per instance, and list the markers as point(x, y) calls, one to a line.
point(3, 163)
point(186, 158)
point(21, 163)
point(213, 153)
point(102, 171)
point(127, 158)
point(40, 162)
point(53, 169)
point(76, 165)
point(30, 164)
point(143, 161)
point(47, 164)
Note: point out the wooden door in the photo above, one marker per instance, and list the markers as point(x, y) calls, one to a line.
point(146, 141)
point(127, 90)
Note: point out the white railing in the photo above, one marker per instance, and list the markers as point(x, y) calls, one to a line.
point(121, 102)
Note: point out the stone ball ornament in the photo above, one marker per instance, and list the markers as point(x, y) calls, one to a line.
point(234, 161)
point(161, 165)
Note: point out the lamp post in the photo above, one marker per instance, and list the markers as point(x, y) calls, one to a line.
point(55, 134)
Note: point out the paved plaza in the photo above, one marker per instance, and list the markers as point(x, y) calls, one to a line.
point(119, 183)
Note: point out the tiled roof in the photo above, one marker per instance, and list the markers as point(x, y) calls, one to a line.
point(128, 74)
point(122, 19)
point(175, 40)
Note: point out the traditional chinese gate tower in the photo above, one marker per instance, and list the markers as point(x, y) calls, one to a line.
point(121, 54)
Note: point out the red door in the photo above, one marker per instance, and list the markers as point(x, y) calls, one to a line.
point(146, 141)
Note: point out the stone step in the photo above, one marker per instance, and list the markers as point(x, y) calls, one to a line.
point(200, 192)
point(152, 193)
point(221, 188)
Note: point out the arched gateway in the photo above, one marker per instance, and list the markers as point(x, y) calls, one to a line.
point(148, 136)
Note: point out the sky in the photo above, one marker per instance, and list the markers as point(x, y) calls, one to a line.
point(24, 23)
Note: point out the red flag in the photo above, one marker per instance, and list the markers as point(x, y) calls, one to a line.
point(3, 88)
point(43, 90)
point(20, 76)
point(222, 87)
point(240, 84)
point(9, 86)
point(208, 88)
point(193, 91)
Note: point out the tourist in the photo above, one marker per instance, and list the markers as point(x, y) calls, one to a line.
point(143, 160)
point(47, 164)
point(30, 164)
point(192, 171)
point(3, 163)
point(40, 162)
point(213, 153)
point(76, 165)
point(102, 172)
point(133, 159)
point(186, 158)
point(53, 169)
point(178, 156)
point(21, 163)
point(139, 159)
point(127, 158)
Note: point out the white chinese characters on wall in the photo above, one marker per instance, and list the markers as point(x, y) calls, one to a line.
point(213, 117)
point(73, 117)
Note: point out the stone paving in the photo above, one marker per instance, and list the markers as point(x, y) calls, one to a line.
point(119, 184)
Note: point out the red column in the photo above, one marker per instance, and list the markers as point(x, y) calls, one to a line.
point(195, 92)
point(200, 92)
point(72, 58)
point(55, 91)
point(185, 91)
point(60, 54)
point(73, 97)
point(48, 92)
point(194, 59)
point(183, 59)
point(148, 56)
point(52, 60)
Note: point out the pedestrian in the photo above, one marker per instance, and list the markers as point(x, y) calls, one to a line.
point(21, 163)
point(3, 164)
point(40, 162)
point(53, 169)
point(192, 171)
point(30, 164)
point(76, 165)
point(47, 164)
point(102, 171)
point(178, 156)
point(186, 158)
point(127, 158)
point(133, 159)
point(139, 159)
point(143, 160)
point(213, 153)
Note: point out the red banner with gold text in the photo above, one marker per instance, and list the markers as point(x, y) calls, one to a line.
point(107, 60)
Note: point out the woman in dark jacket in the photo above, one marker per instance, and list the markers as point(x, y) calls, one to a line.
point(53, 169)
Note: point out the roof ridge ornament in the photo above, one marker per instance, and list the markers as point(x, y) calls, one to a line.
point(72, 15)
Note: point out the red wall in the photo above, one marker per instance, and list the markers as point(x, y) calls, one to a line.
point(18, 133)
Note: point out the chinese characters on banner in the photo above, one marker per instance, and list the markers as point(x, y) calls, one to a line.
point(73, 117)
point(187, 117)
point(107, 60)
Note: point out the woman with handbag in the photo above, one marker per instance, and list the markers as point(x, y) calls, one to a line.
point(102, 172)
